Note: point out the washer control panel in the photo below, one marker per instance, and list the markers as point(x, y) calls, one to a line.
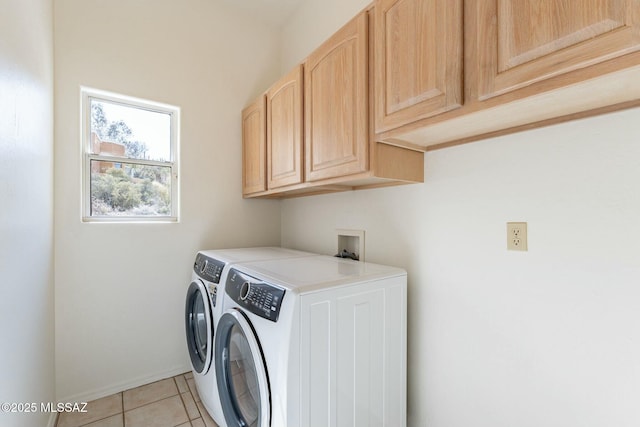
point(208, 268)
point(261, 299)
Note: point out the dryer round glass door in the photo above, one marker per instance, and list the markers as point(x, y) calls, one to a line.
point(199, 327)
point(242, 381)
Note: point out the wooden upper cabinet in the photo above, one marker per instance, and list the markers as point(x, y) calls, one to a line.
point(284, 130)
point(520, 42)
point(418, 60)
point(336, 104)
point(254, 147)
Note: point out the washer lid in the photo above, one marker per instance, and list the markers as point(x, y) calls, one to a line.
point(308, 274)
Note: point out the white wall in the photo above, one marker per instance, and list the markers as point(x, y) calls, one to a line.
point(311, 24)
point(26, 213)
point(120, 287)
point(499, 339)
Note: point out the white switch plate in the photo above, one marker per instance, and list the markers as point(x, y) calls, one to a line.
point(517, 236)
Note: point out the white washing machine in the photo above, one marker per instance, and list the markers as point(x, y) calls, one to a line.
point(203, 309)
point(314, 341)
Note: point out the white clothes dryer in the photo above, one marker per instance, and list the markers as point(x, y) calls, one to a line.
point(203, 309)
point(314, 341)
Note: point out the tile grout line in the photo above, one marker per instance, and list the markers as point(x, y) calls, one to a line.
point(192, 398)
point(96, 420)
point(122, 412)
point(184, 405)
point(194, 401)
point(155, 402)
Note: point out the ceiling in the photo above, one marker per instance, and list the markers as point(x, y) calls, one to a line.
point(273, 12)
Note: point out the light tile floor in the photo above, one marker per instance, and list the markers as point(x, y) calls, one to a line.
point(173, 402)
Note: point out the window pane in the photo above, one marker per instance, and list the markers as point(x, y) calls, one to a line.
point(126, 189)
point(128, 131)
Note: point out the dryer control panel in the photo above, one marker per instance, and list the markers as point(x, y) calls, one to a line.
point(208, 268)
point(261, 299)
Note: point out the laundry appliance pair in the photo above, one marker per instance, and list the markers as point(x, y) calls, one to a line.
point(296, 339)
point(203, 310)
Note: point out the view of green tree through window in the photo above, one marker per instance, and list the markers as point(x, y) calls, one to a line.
point(130, 159)
point(130, 190)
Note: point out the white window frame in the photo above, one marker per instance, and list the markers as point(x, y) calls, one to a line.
point(87, 94)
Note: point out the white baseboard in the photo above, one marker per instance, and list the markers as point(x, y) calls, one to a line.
point(126, 385)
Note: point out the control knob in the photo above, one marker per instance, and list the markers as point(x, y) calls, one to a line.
point(204, 266)
point(245, 290)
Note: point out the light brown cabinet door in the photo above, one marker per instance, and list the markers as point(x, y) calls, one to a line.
point(284, 130)
point(418, 60)
point(254, 147)
point(336, 104)
point(520, 42)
